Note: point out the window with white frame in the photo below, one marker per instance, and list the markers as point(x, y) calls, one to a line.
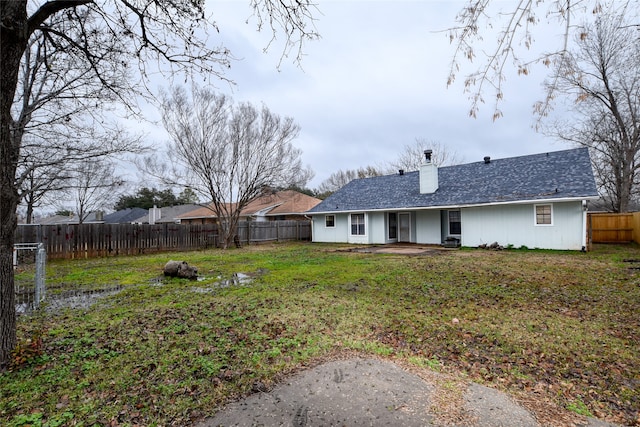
point(357, 225)
point(544, 214)
point(330, 221)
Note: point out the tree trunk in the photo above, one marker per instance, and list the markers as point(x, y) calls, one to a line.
point(13, 42)
point(231, 229)
point(7, 294)
point(29, 216)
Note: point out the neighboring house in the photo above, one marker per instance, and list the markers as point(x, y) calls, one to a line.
point(92, 218)
point(202, 215)
point(124, 216)
point(165, 215)
point(537, 201)
point(53, 220)
point(281, 205)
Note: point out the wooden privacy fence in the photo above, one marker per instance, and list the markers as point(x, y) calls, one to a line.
point(614, 227)
point(98, 240)
point(265, 231)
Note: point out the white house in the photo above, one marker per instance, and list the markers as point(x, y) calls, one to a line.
point(537, 201)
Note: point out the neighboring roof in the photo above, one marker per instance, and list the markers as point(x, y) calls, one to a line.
point(563, 174)
point(124, 216)
point(167, 213)
point(92, 218)
point(54, 220)
point(288, 202)
point(201, 212)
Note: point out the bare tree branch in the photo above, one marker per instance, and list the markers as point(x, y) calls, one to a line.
point(412, 156)
point(339, 179)
point(477, 21)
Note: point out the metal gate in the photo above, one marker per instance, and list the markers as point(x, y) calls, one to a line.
point(29, 264)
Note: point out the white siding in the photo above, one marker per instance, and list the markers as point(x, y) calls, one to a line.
point(515, 225)
point(505, 224)
point(428, 227)
point(375, 229)
point(377, 225)
point(337, 234)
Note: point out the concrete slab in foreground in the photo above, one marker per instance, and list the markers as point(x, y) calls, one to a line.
point(364, 392)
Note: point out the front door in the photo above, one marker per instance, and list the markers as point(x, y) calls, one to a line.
point(404, 227)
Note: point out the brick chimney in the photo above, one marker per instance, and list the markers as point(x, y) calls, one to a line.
point(428, 174)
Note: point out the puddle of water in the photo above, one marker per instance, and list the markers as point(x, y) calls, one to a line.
point(157, 281)
point(24, 308)
point(71, 299)
point(79, 300)
point(202, 290)
point(237, 279)
point(85, 299)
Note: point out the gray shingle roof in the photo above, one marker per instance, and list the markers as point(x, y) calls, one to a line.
point(124, 216)
point(168, 214)
point(555, 175)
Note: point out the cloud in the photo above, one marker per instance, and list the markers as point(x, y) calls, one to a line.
point(374, 82)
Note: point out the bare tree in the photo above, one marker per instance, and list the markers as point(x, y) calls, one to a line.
point(46, 163)
point(91, 187)
point(339, 179)
point(229, 153)
point(412, 156)
point(601, 81)
point(104, 41)
point(37, 183)
point(513, 25)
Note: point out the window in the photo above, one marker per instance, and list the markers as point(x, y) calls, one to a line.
point(455, 226)
point(393, 225)
point(544, 215)
point(330, 221)
point(357, 224)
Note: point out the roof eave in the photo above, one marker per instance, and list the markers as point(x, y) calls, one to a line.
point(458, 206)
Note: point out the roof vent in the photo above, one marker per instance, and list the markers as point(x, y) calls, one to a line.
point(401, 172)
point(487, 160)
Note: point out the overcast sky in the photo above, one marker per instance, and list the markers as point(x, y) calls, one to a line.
point(374, 82)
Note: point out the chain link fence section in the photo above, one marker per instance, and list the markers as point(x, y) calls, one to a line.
point(29, 264)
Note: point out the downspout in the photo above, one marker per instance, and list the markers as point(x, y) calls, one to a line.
point(311, 231)
point(584, 226)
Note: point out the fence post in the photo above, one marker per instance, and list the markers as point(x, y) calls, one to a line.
point(41, 259)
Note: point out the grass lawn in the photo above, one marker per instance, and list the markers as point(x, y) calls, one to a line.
point(556, 327)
